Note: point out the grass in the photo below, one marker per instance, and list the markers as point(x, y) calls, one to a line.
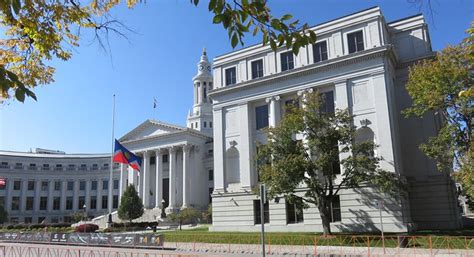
point(203, 235)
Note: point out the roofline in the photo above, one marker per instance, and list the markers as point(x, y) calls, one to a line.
point(184, 131)
point(406, 18)
point(311, 27)
point(53, 156)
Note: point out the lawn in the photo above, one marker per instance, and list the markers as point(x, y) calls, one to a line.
point(203, 235)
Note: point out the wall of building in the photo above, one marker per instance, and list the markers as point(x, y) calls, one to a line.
point(51, 169)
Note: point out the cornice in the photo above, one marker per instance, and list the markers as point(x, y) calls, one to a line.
point(306, 70)
point(170, 134)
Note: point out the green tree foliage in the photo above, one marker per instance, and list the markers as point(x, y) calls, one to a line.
point(3, 215)
point(186, 215)
point(285, 164)
point(131, 206)
point(444, 85)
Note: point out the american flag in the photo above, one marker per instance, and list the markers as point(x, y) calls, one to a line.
point(3, 182)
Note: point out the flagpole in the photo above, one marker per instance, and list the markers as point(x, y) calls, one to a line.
point(109, 223)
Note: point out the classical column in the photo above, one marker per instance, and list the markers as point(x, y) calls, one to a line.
point(146, 179)
point(50, 195)
point(75, 199)
point(274, 108)
point(8, 198)
point(219, 178)
point(37, 196)
point(123, 180)
point(87, 200)
point(24, 187)
point(63, 195)
point(159, 178)
point(172, 179)
point(186, 149)
point(99, 195)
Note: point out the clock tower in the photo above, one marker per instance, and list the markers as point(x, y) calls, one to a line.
point(200, 117)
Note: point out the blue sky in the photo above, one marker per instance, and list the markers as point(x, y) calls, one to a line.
point(159, 59)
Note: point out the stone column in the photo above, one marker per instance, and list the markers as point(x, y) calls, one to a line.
point(87, 200)
point(219, 178)
point(24, 188)
point(8, 198)
point(99, 195)
point(37, 196)
point(186, 189)
point(123, 180)
point(248, 176)
point(274, 110)
point(159, 178)
point(50, 195)
point(63, 195)
point(75, 199)
point(172, 171)
point(146, 179)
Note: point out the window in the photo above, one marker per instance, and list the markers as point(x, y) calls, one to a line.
point(41, 219)
point(261, 116)
point(43, 203)
point(82, 185)
point(211, 175)
point(336, 165)
point(320, 52)
point(257, 212)
point(192, 125)
point(2, 201)
point(4, 164)
point(230, 76)
point(287, 62)
point(29, 203)
point(257, 69)
point(105, 202)
point(93, 204)
point(31, 185)
point(115, 202)
point(211, 189)
point(69, 203)
point(105, 184)
point(56, 203)
point(3, 184)
point(94, 185)
point(165, 158)
point(15, 203)
point(205, 124)
point(28, 220)
point(327, 102)
point(355, 42)
point(67, 219)
point(70, 185)
point(16, 185)
point(57, 185)
point(204, 93)
point(81, 202)
point(210, 124)
point(152, 160)
point(116, 184)
point(294, 213)
point(44, 185)
point(335, 209)
point(59, 166)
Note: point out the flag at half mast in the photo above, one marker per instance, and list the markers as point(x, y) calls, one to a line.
point(123, 155)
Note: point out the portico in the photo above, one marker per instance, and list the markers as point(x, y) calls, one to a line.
point(172, 166)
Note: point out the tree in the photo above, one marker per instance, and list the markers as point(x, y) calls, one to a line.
point(207, 214)
point(131, 206)
point(285, 164)
point(444, 85)
point(3, 215)
point(184, 216)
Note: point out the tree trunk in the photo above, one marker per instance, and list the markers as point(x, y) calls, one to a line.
point(325, 213)
point(180, 225)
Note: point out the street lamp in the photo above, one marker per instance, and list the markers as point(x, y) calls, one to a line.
point(84, 216)
point(163, 214)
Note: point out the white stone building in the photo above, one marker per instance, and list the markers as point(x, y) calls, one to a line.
point(359, 62)
point(53, 185)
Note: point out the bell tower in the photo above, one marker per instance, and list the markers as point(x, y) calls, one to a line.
point(200, 117)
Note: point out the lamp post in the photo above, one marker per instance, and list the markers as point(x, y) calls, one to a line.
point(163, 214)
point(84, 216)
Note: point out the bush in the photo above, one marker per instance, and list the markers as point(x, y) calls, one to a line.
point(87, 228)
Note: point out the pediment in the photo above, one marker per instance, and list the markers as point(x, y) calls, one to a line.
point(150, 128)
